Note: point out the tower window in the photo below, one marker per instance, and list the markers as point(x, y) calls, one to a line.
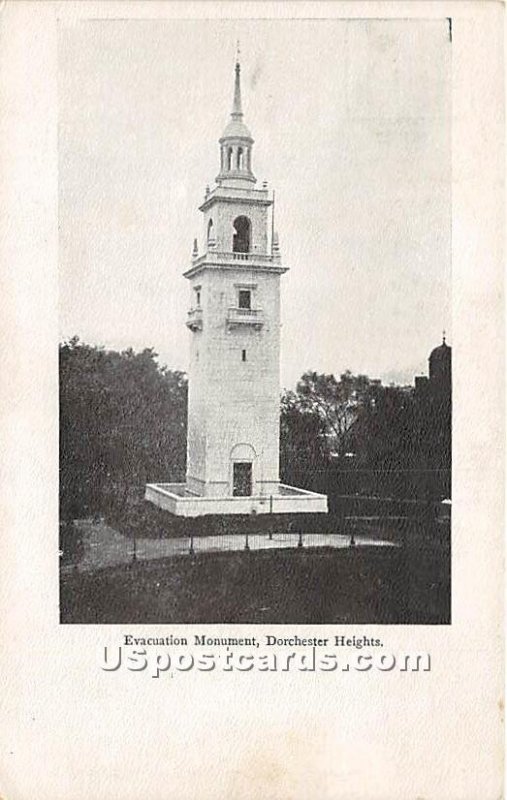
point(243, 355)
point(241, 236)
point(210, 230)
point(245, 299)
point(229, 158)
point(240, 158)
point(198, 296)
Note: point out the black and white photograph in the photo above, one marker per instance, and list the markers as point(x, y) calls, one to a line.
point(252, 435)
point(255, 321)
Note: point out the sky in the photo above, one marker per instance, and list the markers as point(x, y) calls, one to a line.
point(352, 128)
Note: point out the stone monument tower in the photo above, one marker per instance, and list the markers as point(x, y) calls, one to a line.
point(234, 317)
point(234, 385)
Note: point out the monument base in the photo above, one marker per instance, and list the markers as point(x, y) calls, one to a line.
point(179, 500)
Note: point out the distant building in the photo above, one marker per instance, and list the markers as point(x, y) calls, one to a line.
point(402, 441)
point(439, 380)
point(433, 397)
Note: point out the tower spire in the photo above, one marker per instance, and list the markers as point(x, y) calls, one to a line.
point(237, 112)
point(236, 141)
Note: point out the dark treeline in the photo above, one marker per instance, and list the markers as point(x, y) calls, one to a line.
point(354, 436)
point(123, 423)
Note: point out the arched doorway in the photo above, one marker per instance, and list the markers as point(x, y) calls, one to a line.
point(241, 237)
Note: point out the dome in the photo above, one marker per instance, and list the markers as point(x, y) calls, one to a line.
point(440, 364)
point(441, 352)
point(236, 129)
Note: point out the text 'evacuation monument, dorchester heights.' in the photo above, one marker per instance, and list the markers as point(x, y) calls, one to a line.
point(234, 374)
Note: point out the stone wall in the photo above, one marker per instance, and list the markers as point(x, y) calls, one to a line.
point(164, 496)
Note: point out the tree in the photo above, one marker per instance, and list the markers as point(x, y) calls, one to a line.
point(122, 423)
point(303, 456)
point(337, 403)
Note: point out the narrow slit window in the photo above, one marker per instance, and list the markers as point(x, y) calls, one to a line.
point(243, 355)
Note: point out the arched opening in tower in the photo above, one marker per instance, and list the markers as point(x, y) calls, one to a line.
point(240, 158)
point(229, 159)
point(241, 237)
point(210, 231)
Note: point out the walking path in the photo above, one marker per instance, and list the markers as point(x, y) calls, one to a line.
point(105, 547)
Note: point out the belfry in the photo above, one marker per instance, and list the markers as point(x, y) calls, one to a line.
point(234, 320)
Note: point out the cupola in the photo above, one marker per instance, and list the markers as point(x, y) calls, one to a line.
point(236, 144)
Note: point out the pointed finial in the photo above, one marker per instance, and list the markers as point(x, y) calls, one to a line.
point(238, 51)
point(237, 112)
point(443, 337)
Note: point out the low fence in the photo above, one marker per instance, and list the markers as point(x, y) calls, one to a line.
point(90, 545)
point(144, 520)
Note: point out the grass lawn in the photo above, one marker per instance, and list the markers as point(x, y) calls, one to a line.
point(357, 586)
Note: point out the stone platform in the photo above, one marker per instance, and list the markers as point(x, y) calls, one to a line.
point(179, 500)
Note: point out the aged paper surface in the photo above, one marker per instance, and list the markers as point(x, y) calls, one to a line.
point(71, 729)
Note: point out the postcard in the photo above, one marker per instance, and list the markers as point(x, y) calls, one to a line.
point(253, 407)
